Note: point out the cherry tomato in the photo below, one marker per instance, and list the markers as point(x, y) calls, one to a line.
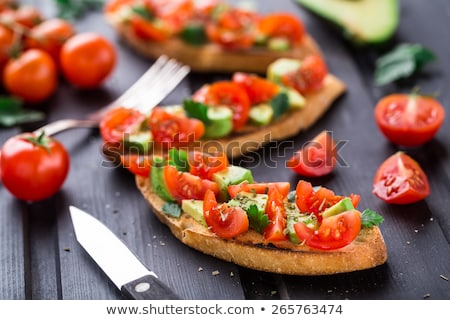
point(225, 221)
point(170, 130)
point(226, 93)
point(315, 201)
point(149, 30)
point(174, 13)
point(409, 119)
point(309, 77)
point(183, 185)
point(137, 164)
point(334, 232)
point(400, 180)
point(120, 121)
point(32, 76)
point(6, 44)
point(205, 165)
point(112, 6)
point(258, 89)
point(259, 188)
point(25, 15)
point(33, 167)
point(315, 159)
point(87, 59)
point(234, 29)
point(282, 25)
point(49, 36)
point(277, 216)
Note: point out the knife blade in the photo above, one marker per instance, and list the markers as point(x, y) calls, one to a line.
point(125, 270)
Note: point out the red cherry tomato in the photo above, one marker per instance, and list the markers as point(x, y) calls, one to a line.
point(118, 122)
point(87, 59)
point(226, 93)
point(282, 25)
point(400, 180)
point(259, 90)
point(224, 220)
point(409, 120)
point(317, 158)
point(137, 164)
point(33, 167)
point(277, 216)
point(334, 232)
point(183, 185)
point(309, 77)
point(205, 165)
point(6, 44)
point(259, 188)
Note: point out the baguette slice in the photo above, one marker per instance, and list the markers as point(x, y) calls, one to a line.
point(249, 250)
point(210, 57)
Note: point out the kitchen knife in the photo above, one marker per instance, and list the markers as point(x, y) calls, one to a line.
point(124, 269)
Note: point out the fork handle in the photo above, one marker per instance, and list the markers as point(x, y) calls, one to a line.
point(65, 124)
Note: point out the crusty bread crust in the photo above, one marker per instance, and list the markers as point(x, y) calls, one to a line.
point(210, 57)
point(250, 251)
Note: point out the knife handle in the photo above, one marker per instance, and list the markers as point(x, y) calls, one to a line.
point(148, 288)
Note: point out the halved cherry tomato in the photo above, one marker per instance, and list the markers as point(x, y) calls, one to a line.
point(277, 216)
point(309, 77)
point(224, 220)
point(259, 90)
point(310, 200)
point(282, 25)
point(226, 93)
point(112, 6)
point(171, 130)
point(260, 188)
point(118, 122)
point(400, 180)
point(315, 159)
point(137, 164)
point(149, 30)
point(334, 232)
point(205, 165)
point(234, 29)
point(183, 185)
point(409, 119)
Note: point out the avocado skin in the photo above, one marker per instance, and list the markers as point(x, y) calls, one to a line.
point(352, 18)
point(157, 180)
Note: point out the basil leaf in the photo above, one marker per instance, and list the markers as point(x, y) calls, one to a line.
point(171, 209)
point(280, 104)
point(72, 9)
point(12, 113)
point(402, 62)
point(197, 110)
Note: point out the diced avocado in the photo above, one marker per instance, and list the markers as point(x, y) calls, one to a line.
point(220, 122)
point(194, 208)
point(362, 21)
point(261, 114)
point(246, 199)
point(278, 44)
point(342, 206)
point(157, 180)
point(230, 176)
point(280, 67)
point(296, 100)
point(175, 109)
point(294, 216)
point(140, 141)
point(194, 34)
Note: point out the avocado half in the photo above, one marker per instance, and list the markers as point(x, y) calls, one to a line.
point(362, 21)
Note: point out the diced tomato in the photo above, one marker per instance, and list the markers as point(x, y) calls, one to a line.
point(258, 89)
point(224, 220)
point(260, 188)
point(317, 158)
point(120, 121)
point(226, 93)
point(205, 165)
point(400, 180)
point(334, 232)
point(112, 6)
point(309, 77)
point(183, 185)
point(137, 164)
point(316, 201)
point(277, 216)
point(282, 25)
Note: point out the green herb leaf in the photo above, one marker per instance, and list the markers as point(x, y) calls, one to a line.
point(370, 218)
point(197, 110)
point(72, 9)
point(402, 62)
point(12, 113)
point(179, 159)
point(291, 196)
point(279, 104)
point(194, 34)
point(142, 11)
point(171, 209)
point(257, 221)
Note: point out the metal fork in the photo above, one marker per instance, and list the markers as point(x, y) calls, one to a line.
point(149, 90)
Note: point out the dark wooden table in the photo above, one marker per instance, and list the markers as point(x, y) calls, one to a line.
point(40, 258)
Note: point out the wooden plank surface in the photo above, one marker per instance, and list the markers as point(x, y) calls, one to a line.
point(40, 258)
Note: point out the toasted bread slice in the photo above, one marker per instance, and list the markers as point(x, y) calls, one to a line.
point(210, 57)
point(249, 250)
